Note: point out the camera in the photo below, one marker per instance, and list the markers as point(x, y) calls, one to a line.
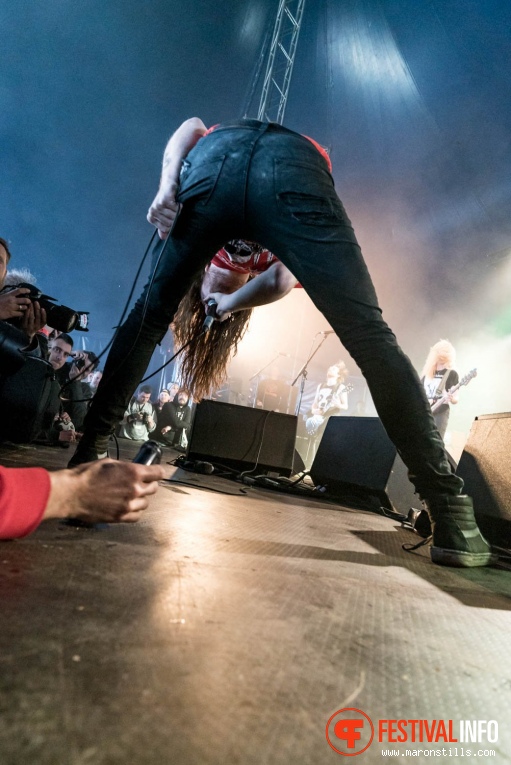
point(57, 316)
point(138, 417)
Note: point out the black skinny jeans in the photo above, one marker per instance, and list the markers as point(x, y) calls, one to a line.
point(264, 183)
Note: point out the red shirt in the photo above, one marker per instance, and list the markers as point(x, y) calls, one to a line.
point(24, 494)
point(254, 261)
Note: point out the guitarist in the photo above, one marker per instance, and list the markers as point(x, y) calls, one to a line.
point(331, 399)
point(438, 377)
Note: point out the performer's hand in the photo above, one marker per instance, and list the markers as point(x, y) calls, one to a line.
point(223, 311)
point(164, 209)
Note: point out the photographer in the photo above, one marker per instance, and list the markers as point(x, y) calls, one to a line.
point(77, 393)
point(15, 306)
point(68, 404)
point(139, 419)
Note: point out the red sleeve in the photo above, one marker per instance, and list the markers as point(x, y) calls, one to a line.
point(24, 494)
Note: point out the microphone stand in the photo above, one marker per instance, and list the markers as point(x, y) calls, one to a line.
point(303, 371)
point(258, 373)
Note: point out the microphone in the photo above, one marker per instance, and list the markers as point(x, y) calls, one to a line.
point(210, 315)
point(327, 332)
point(148, 454)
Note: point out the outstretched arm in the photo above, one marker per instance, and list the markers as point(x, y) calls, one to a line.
point(164, 207)
point(267, 287)
point(103, 491)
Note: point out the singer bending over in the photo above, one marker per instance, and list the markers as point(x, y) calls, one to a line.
point(241, 276)
point(263, 183)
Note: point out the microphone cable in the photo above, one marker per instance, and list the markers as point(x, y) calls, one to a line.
point(247, 472)
point(124, 312)
point(144, 313)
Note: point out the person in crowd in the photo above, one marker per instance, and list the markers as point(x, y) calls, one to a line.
point(173, 389)
point(272, 391)
point(163, 398)
point(263, 183)
point(68, 402)
point(56, 424)
point(60, 349)
point(17, 276)
point(330, 400)
point(139, 420)
point(76, 393)
point(102, 492)
point(15, 306)
point(94, 379)
point(175, 420)
point(438, 376)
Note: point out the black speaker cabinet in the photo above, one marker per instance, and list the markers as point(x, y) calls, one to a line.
point(357, 460)
point(485, 466)
point(241, 438)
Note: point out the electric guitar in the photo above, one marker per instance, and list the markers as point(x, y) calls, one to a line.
point(445, 398)
point(313, 422)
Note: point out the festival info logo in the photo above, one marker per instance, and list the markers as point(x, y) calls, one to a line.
point(349, 731)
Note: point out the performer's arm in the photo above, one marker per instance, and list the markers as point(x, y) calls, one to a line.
point(315, 408)
point(267, 287)
point(340, 400)
point(452, 381)
point(104, 490)
point(453, 398)
point(164, 208)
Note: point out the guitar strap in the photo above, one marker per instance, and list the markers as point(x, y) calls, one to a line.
point(441, 388)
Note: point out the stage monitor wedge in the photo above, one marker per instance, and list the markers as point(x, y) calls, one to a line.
point(356, 460)
point(485, 467)
point(241, 437)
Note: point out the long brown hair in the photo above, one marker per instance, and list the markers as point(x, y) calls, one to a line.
point(204, 362)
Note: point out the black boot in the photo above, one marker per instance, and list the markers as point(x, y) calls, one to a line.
point(90, 449)
point(457, 540)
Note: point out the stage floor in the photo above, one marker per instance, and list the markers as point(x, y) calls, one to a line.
point(229, 627)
